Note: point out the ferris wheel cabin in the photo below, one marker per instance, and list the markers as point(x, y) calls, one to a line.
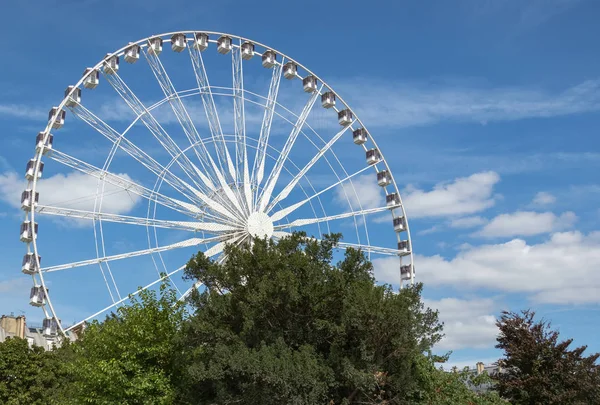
point(392, 200)
point(30, 266)
point(29, 200)
point(345, 117)
point(132, 54)
point(384, 178)
point(405, 272)
point(111, 64)
point(399, 224)
point(178, 42)
point(30, 169)
point(404, 246)
point(56, 117)
point(37, 296)
point(92, 78)
point(359, 136)
point(42, 145)
point(201, 41)
point(49, 327)
point(373, 156)
point(290, 70)
point(269, 59)
point(73, 96)
point(155, 45)
point(328, 99)
point(247, 50)
point(28, 232)
point(224, 45)
point(309, 83)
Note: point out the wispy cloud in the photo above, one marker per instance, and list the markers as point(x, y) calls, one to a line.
point(527, 223)
point(22, 111)
point(400, 104)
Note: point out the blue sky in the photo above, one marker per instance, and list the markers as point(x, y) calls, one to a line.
point(487, 112)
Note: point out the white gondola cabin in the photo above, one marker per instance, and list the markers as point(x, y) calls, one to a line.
point(406, 272)
point(178, 42)
point(399, 224)
point(30, 265)
point(224, 45)
point(41, 145)
point(403, 246)
point(92, 78)
point(111, 64)
point(290, 70)
point(384, 178)
point(200, 41)
point(373, 156)
point(56, 117)
point(392, 200)
point(30, 169)
point(37, 296)
point(73, 96)
point(328, 99)
point(309, 83)
point(29, 200)
point(49, 327)
point(247, 50)
point(28, 232)
point(359, 136)
point(132, 54)
point(155, 45)
point(269, 59)
point(345, 117)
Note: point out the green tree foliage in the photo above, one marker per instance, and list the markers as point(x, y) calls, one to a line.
point(541, 369)
point(438, 387)
point(129, 358)
point(281, 324)
point(27, 375)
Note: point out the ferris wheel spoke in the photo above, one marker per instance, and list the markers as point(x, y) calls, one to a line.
point(240, 125)
point(346, 245)
point(122, 300)
point(179, 110)
point(288, 210)
point(290, 186)
point(183, 244)
point(258, 168)
point(212, 251)
point(309, 221)
point(134, 151)
point(211, 227)
point(274, 175)
point(211, 111)
point(127, 185)
point(157, 130)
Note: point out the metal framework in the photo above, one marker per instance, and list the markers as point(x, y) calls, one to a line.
point(229, 188)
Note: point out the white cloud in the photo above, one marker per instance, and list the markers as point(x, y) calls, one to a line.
point(23, 111)
point(467, 322)
point(388, 104)
point(467, 222)
point(466, 195)
point(73, 190)
point(527, 223)
point(562, 269)
point(366, 193)
point(543, 198)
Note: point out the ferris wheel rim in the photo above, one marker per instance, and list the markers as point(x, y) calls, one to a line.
point(143, 43)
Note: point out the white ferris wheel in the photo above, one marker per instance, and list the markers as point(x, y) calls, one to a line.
point(263, 149)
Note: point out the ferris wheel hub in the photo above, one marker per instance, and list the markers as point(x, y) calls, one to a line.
point(259, 225)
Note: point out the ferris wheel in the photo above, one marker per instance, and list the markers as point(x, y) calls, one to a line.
point(161, 163)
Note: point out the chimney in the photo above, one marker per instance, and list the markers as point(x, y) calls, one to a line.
point(480, 368)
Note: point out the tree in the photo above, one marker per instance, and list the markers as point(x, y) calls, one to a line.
point(540, 369)
point(128, 358)
point(28, 375)
point(278, 323)
point(439, 387)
